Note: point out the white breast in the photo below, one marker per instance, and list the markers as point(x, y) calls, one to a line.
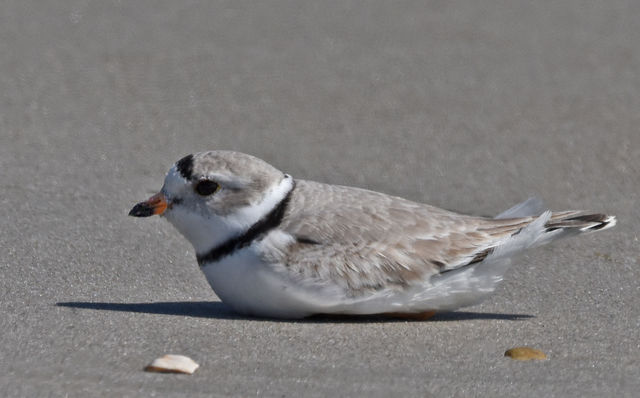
point(251, 287)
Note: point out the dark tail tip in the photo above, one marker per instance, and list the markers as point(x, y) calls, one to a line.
point(584, 222)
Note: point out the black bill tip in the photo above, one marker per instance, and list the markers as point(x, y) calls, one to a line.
point(142, 209)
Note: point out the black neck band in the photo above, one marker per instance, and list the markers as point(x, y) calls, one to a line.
point(270, 221)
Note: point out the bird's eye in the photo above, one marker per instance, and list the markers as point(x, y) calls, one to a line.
point(206, 187)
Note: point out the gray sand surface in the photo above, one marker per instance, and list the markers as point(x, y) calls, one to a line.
point(467, 105)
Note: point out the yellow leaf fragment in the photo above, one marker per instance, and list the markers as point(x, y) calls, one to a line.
point(525, 354)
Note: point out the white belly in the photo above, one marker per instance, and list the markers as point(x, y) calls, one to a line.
point(243, 282)
point(251, 287)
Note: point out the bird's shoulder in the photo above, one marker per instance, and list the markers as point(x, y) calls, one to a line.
point(339, 213)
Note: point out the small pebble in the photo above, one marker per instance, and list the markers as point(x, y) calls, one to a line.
point(172, 364)
point(525, 354)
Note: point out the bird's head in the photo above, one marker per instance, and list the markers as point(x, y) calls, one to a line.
point(212, 196)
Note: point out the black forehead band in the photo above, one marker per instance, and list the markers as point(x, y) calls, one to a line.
point(185, 167)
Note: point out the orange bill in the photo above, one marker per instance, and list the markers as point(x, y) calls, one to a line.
point(156, 204)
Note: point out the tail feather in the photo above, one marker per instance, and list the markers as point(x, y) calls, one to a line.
point(529, 208)
point(473, 282)
point(568, 221)
point(550, 225)
point(580, 221)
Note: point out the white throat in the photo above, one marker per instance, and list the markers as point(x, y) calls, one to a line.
point(207, 233)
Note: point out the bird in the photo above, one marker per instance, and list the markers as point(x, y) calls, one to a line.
point(274, 246)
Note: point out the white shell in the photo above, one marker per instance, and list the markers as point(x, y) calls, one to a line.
point(172, 364)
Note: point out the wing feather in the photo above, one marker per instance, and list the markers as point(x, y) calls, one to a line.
point(362, 240)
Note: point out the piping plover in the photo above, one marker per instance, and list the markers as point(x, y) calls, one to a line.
point(271, 245)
